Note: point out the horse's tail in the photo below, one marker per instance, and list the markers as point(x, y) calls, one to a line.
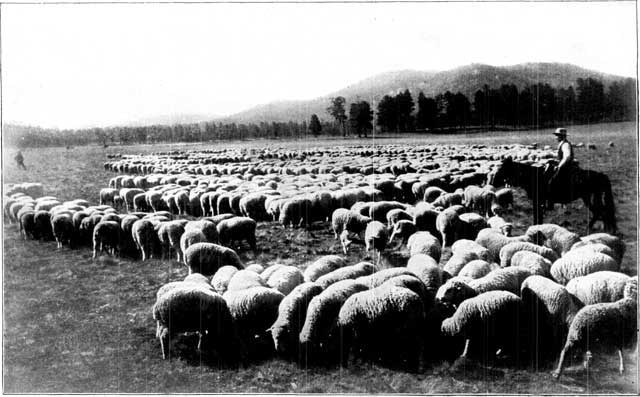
point(609, 215)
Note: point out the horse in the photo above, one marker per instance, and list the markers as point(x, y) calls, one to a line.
point(594, 188)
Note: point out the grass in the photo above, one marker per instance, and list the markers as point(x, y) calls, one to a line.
point(72, 324)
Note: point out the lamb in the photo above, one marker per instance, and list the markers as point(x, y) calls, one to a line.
point(510, 249)
point(285, 279)
point(506, 279)
point(106, 236)
point(63, 230)
point(424, 243)
point(384, 323)
point(295, 212)
point(254, 310)
point(237, 229)
point(535, 263)
point(493, 240)
point(376, 237)
point(145, 237)
point(613, 242)
point(602, 326)
point(476, 269)
point(551, 310)
point(580, 262)
point(191, 308)
point(491, 319)
point(344, 219)
point(207, 258)
point(319, 335)
point(169, 235)
point(221, 278)
point(598, 287)
point(558, 238)
point(244, 279)
point(345, 273)
point(380, 277)
point(291, 314)
point(427, 270)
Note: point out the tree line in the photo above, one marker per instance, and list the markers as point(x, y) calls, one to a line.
point(537, 106)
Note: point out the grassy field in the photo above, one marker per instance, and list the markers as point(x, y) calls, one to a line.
point(72, 324)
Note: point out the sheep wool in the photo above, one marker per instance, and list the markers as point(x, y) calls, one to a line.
point(244, 279)
point(254, 310)
point(580, 262)
point(424, 243)
point(322, 266)
point(207, 258)
point(558, 238)
point(427, 270)
point(476, 269)
point(346, 273)
point(613, 242)
point(535, 263)
point(465, 245)
point(598, 287)
point(221, 278)
point(378, 278)
point(510, 249)
point(458, 260)
point(505, 279)
point(285, 279)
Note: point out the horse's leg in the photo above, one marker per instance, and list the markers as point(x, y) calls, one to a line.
point(537, 211)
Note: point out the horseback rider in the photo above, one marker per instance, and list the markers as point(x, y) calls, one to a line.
point(20, 160)
point(562, 178)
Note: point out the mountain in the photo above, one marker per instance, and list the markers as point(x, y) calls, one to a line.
point(466, 79)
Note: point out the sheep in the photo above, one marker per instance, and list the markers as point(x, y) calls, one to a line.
point(207, 228)
point(476, 269)
point(207, 258)
point(237, 229)
point(558, 238)
point(107, 196)
point(42, 221)
point(471, 224)
point(478, 199)
point(345, 273)
point(285, 279)
point(424, 243)
point(266, 273)
point(321, 205)
point(378, 278)
point(498, 223)
point(319, 334)
point(424, 217)
point(580, 262)
point(192, 308)
point(190, 237)
point(378, 210)
point(291, 314)
point(221, 278)
point(145, 237)
point(447, 200)
point(27, 224)
point(470, 246)
point(534, 262)
point(252, 206)
point(551, 310)
point(106, 236)
point(449, 226)
point(427, 270)
point(397, 214)
point(255, 267)
point(244, 279)
point(432, 193)
point(493, 240)
point(458, 260)
point(613, 242)
point(63, 230)
point(169, 235)
point(413, 283)
point(344, 219)
point(376, 237)
point(510, 249)
point(491, 318)
point(506, 279)
point(455, 291)
point(403, 229)
point(295, 212)
point(602, 326)
point(598, 287)
point(383, 323)
point(254, 310)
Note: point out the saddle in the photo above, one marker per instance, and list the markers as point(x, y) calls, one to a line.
point(562, 188)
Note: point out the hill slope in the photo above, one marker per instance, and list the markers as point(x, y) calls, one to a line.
point(466, 79)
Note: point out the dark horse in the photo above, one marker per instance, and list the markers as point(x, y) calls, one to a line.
point(594, 188)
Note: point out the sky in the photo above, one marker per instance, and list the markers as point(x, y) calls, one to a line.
point(82, 65)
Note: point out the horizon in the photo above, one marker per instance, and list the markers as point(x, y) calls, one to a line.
point(156, 67)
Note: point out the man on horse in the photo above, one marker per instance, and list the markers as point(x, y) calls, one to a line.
point(562, 179)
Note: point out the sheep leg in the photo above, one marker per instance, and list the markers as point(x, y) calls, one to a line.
point(444, 241)
point(164, 343)
point(556, 374)
point(621, 361)
point(466, 348)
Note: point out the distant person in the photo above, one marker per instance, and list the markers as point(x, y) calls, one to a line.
point(20, 160)
point(560, 180)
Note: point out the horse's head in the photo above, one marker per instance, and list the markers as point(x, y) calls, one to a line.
point(503, 174)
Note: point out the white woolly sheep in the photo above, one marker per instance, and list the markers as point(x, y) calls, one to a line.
point(255, 267)
point(344, 219)
point(237, 229)
point(558, 238)
point(505, 279)
point(285, 279)
point(221, 278)
point(458, 260)
point(378, 278)
point(424, 243)
point(449, 226)
point(493, 240)
point(465, 245)
point(194, 308)
point(189, 238)
point(106, 237)
point(63, 229)
point(385, 324)
point(207, 258)
point(296, 211)
point(344, 273)
point(476, 269)
point(376, 237)
point(207, 227)
point(145, 237)
point(603, 326)
point(580, 262)
point(534, 262)
point(427, 270)
point(598, 287)
point(291, 315)
point(403, 229)
point(613, 242)
point(510, 249)
point(169, 235)
point(266, 273)
point(243, 279)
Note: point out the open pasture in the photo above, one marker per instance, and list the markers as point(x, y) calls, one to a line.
point(73, 324)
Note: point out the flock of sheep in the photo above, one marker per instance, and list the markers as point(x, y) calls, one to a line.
point(543, 294)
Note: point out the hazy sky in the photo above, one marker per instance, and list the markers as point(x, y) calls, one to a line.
point(80, 65)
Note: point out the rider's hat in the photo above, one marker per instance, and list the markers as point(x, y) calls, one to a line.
point(560, 132)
